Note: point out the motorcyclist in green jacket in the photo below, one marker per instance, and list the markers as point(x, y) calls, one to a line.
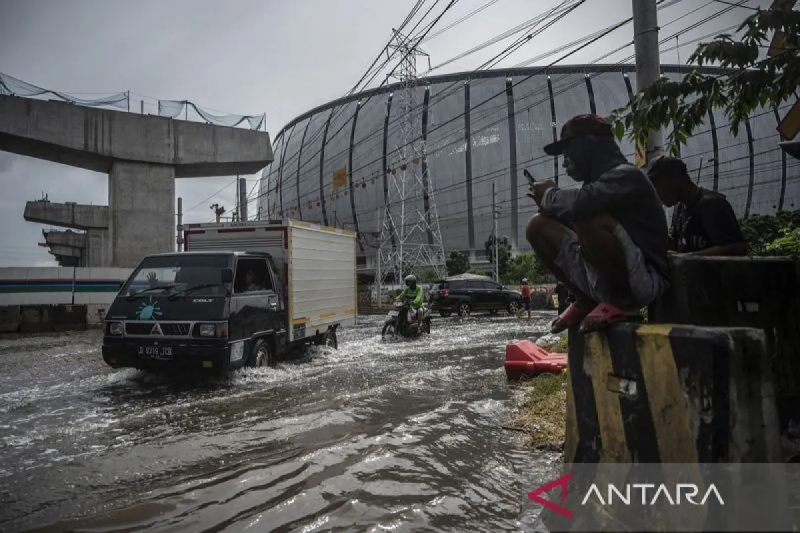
point(416, 297)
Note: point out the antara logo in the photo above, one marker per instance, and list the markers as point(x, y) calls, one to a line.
point(649, 494)
point(682, 492)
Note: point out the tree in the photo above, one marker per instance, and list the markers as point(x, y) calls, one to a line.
point(457, 263)
point(503, 253)
point(525, 265)
point(772, 234)
point(749, 83)
point(427, 275)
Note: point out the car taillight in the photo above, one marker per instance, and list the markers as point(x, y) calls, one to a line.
point(444, 292)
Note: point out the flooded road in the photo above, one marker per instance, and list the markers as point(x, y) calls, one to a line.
point(375, 436)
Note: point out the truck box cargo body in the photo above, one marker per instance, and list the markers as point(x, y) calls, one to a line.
point(317, 265)
point(239, 294)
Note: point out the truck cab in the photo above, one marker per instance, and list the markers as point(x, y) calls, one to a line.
point(198, 310)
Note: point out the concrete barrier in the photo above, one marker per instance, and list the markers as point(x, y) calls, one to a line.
point(36, 318)
point(660, 393)
point(757, 292)
point(9, 318)
point(69, 317)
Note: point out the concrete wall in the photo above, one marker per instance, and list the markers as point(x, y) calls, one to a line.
point(92, 138)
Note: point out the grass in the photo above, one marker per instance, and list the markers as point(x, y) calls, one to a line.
point(542, 411)
point(559, 346)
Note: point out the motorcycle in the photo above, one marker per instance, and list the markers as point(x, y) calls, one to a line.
point(396, 323)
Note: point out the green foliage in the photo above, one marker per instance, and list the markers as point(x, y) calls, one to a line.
point(503, 253)
point(457, 263)
point(525, 265)
point(787, 244)
point(427, 275)
point(772, 234)
point(749, 83)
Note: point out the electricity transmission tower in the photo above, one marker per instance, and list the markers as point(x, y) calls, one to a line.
point(410, 238)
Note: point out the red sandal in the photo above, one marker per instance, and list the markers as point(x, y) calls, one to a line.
point(604, 315)
point(571, 316)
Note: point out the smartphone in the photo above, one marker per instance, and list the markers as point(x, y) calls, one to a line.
point(528, 175)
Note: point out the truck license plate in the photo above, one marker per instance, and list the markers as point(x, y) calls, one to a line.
point(156, 352)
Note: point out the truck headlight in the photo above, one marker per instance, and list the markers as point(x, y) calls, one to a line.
point(219, 330)
point(115, 328)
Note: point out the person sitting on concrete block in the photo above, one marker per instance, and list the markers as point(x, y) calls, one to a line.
point(705, 223)
point(607, 240)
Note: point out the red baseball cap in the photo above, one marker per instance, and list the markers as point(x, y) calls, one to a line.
point(580, 126)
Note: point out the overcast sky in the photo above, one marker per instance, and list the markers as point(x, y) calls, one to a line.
point(279, 57)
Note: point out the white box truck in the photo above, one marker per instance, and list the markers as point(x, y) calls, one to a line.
point(241, 293)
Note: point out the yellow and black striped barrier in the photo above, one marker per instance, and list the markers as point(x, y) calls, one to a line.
point(659, 393)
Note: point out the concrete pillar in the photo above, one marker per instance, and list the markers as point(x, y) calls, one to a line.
point(98, 251)
point(141, 200)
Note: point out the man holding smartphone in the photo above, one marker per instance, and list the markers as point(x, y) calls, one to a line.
point(605, 240)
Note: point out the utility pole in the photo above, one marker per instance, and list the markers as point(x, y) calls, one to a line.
point(648, 67)
point(378, 276)
point(496, 244)
point(242, 199)
point(180, 224)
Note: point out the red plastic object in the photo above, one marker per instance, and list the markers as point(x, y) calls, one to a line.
point(524, 359)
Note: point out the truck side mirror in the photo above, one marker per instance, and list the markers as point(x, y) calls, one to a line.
point(227, 275)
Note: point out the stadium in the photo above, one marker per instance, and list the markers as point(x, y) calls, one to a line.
point(333, 162)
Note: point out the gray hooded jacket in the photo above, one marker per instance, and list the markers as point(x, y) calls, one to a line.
point(619, 189)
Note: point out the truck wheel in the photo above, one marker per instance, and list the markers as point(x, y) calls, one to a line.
point(329, 340)
point(261, 355)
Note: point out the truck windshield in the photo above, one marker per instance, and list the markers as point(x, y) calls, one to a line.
point(167, 274)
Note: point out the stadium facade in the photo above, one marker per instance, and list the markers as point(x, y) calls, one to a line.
point(332, 162)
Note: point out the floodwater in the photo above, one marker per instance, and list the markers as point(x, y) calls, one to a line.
point(376, 436)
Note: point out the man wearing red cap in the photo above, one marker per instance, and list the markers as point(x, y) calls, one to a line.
point(606, 240)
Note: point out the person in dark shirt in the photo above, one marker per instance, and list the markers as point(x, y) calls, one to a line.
point(606, 240)
point(562, 293)
point(705, 223)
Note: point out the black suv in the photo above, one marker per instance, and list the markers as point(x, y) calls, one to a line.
point(466, 293)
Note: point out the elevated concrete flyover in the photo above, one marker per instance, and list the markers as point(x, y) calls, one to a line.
point(68, 238)
point(67, 215)
point(143, 154)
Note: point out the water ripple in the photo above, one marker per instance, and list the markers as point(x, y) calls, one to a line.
point(373, 437)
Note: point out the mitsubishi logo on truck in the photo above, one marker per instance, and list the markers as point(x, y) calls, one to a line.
point(156, 330)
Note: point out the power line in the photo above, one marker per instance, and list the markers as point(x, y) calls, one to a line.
point(446, 93)
point(524, 79)
point(476, 106)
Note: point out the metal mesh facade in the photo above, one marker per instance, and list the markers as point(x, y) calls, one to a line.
point(331, 162)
